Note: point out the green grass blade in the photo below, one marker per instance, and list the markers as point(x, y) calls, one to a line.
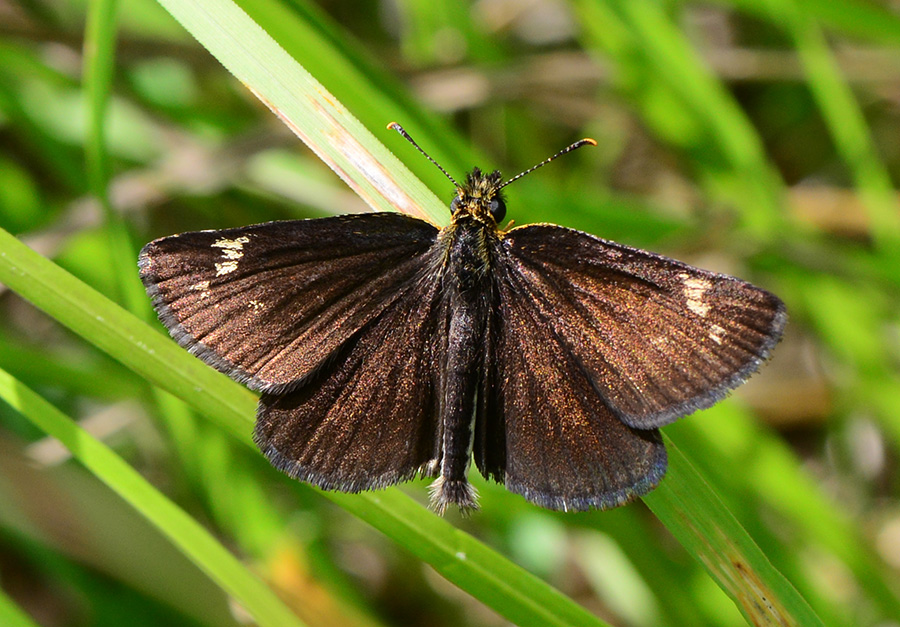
point(682, 98)
point(846, 123)
point(118, 333)
point(99, 63)
point(162, 362)
point(859, 18)
point(694, 514)
point(183, 531)
point(307, 108)
point(772, 475)
point(99, 66)
point(466, 562)
point(374, 95)
point(11, 615)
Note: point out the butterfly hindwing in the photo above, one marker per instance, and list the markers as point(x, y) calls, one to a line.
point(267, 304)
point(543, 431)
point(658, 338)
point(369, 417)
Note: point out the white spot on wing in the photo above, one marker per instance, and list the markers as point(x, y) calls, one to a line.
point(202, 287)
point(715, 333)
point(225, 267)
point(232, 251)
point(694, 289)
point(236, 244)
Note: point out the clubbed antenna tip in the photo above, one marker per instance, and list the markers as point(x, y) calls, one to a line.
point(396, 127)
point(587, 141)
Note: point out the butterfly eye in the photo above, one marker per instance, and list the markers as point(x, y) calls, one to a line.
point(454, 204)
point(497, 209)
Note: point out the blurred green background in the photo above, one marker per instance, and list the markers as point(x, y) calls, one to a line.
point(753, 138)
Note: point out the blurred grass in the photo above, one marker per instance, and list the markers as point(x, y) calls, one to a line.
point(185, 532)
point(704, 155)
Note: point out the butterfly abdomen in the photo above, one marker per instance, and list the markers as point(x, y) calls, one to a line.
point(468, 274)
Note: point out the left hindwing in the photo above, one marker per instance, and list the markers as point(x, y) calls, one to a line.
point(369, 417)
point(658, 338)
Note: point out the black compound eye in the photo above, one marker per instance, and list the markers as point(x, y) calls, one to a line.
point(497, 209)
point(454, 204)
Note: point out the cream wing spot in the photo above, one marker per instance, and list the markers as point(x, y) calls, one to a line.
point(694, 290)
point(202, 287)
point(235, 246)
point(225, 267)
point(232, 251)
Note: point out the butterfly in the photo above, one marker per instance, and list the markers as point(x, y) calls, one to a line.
point(386, 348)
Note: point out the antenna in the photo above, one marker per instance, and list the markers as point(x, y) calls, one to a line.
point(399, 129)
point(578, 144)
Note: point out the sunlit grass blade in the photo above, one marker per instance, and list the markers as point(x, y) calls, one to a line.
point(374, 95)
point(162, 362)
point(182, 530)
point(695, 515)
point(307, 108)
point(11, 615)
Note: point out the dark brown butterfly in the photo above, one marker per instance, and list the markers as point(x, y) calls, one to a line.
point(387, 348)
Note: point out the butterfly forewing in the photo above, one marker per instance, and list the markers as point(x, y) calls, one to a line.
point(267, 304)
point(542, 429)
point(658, 338)
point(369, 417)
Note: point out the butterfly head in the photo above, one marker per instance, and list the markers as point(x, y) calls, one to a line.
point(480, 198)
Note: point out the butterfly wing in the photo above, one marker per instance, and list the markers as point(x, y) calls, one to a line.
point(657, 338)
point(592, 345)
point(369, 417)
point(542, 429)
point(268, 304)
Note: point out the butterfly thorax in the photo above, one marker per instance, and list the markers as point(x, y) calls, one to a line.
point(473, 233)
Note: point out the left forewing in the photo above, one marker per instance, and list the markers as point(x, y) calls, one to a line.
point(268, 304)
